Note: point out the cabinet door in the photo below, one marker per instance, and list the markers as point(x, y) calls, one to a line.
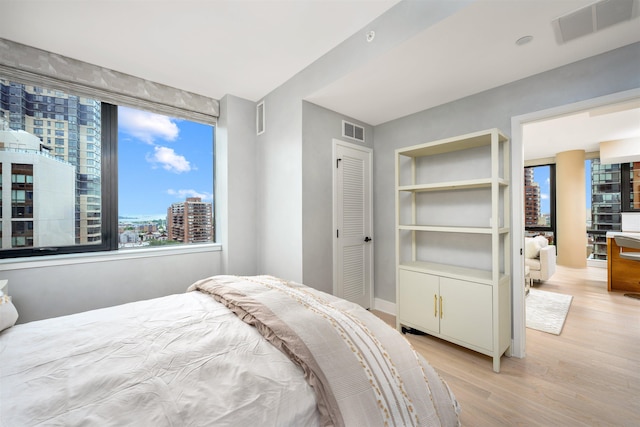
point(418, 296)
point(467, 312)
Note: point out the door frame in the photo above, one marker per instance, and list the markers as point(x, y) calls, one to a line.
point(518, 343)
point(334, 157)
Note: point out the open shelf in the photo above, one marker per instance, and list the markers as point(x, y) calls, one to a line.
point(464, 142)
point(476, 301)
point(453, 185)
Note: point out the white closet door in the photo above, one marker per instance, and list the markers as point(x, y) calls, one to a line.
point(353, 234)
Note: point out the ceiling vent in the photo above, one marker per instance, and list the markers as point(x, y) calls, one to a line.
point(352, 131)
point(592, 18)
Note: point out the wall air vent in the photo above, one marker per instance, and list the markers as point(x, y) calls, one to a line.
point(593, 17)
point(353, 131)
point(260, 118)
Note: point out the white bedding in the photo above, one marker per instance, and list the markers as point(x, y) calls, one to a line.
point(181, 360)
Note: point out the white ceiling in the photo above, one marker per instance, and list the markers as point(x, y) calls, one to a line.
point(245, 48)
point(581, 131)
point(248, 48)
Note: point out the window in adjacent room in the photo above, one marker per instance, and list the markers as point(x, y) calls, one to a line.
point(539, 201)
point(604, 205)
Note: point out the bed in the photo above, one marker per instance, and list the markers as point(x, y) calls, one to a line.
point(231, 351)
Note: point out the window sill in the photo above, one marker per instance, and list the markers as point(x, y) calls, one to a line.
point(91, 257)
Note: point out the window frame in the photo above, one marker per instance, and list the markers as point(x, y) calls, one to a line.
point(552, 204)
point(109, 203)
point(137, 93)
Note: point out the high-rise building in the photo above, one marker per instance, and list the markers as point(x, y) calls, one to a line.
point(531, 199)
point(69, 128)
point(37, 193)
point(190, 221)
point(605, 204)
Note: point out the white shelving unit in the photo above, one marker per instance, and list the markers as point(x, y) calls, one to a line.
point(452, 241)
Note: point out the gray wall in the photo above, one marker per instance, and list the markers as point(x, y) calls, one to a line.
point(235, 185)
point(279, 186)
point(320, 126)
point(41, 289)
point(611, 72)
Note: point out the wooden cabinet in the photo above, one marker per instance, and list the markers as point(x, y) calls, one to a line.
point(452, 241)
point(622, 274)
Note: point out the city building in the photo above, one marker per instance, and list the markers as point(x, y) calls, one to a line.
point(37, 193)
point(531, 200)
point(190, 221)
point(69, 128)
point(605, 205)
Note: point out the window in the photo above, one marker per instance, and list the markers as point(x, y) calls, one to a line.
point(539, 201)
point(107, 162)
point(604, 184)
point(172, 162)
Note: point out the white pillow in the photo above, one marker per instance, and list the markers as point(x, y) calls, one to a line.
point(542, 241)
point(8, 314)
point(531, 248)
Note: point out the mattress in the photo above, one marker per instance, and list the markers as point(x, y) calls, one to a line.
point(209, 357)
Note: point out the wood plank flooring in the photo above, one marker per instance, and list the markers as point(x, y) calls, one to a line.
point(587, 376)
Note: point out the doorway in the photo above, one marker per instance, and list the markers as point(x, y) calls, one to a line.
point(517, 208)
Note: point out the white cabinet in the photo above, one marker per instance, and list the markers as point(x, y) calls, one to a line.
point(458, 310)
point(452, 241)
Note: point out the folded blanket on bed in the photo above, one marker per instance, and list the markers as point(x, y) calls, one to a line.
point(363, 371)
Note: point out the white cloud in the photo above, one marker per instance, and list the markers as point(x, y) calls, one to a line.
point(544, 196)
point(183, 194)
point(169, 160)
point(147, 126)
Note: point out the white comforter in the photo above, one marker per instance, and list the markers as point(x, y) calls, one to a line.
point(181, 360)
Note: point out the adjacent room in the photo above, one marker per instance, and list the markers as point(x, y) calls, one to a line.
point(217, 212)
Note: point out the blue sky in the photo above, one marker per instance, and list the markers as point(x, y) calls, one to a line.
point(541, 176)
point(161, 160)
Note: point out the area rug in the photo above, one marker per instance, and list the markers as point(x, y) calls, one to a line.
point(547, 311)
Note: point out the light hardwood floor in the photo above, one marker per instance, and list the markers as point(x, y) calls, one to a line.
point(587, 376)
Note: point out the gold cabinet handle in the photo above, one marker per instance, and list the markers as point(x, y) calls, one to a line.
point(441, 313)
point(435, 305)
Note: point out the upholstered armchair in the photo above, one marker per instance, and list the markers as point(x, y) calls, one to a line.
point(540, 257)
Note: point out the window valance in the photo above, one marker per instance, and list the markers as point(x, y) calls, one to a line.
point(38, 67)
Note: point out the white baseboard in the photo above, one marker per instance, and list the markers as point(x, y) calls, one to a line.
point(384, 306)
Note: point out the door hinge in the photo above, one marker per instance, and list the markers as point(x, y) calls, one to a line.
point(338, 233)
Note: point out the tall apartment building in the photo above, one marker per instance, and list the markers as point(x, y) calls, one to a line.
point(531, 199)
point(606, 205)
point(69, 127)
point(190, 221)
point(37, 193)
